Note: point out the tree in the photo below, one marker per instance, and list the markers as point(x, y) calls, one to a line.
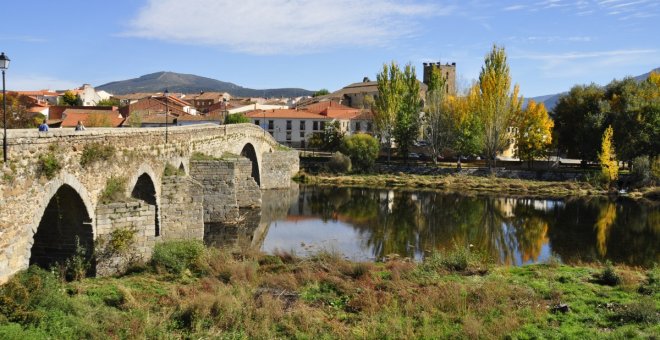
point(388, 103)
point(108, 102)
point(98, 120)
point(71, 99)
point(498, 104)
point(321, 92)
point(468, 135)
point(328, 140)
point(236, 118)
point(362, 149)
point(17, 115)
point(534, 132)
point(438, 125)
point(579, 121)
point(135, 119)
point(406, 128)
point(608, 163)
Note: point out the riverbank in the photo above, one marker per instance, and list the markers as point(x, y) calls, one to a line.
point(469, 183)
point(195, 292)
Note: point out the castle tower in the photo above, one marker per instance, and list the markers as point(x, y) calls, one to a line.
point(448, 72)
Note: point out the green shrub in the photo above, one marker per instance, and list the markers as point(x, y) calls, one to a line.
point(362, 149)
point(608, 276)
point(460, 259)
point(49, 165)
point(171, 170)
point(643, 311)
point(236, 118)
point(655, 169)
point(339, 163)
point(96, 152)
point(115, 190)
point(177, 256)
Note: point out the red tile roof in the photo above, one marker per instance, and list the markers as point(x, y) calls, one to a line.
point(72, 116)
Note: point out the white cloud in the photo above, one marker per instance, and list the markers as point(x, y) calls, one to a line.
point(281, 26)
point(32, 82)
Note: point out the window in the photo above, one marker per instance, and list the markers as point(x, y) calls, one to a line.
point(256, 122)
point(302, 135)
point(288, 135)
point(302, 125)
point(322, 125)
point(271, 125)
point(315, 126)
point(357, 126)
point(368, 126)
point(288, 125)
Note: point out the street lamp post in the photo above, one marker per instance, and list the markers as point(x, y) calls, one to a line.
point(167, 109)
point(4, 64)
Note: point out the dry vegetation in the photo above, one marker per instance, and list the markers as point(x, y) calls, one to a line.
point(212, 294)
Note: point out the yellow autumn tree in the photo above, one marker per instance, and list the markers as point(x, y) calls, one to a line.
point(608, 163)
point(534, 133)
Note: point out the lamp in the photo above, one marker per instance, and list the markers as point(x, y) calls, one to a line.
point(167, 109)
point(4, 64)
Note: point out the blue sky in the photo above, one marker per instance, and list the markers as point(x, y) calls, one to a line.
point(551, 44)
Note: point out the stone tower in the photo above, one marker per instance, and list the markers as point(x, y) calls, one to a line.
point(448, 71)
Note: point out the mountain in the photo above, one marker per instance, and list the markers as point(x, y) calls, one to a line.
point(190, 83)
point(550, 100)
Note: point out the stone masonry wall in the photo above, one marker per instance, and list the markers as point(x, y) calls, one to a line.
point(182, 209)
point(114, 251)
point(248, 194)
point(25, 191)
point(278, 167)
point(217, 178)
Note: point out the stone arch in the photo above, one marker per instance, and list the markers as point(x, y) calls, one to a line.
point(143, 187)
point(249, 152)
point(64, 215)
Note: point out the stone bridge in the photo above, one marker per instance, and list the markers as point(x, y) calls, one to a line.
point(117, 192)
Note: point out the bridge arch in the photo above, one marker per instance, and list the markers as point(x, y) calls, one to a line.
point(63, 216)
point(249, 152)
point(143, 186)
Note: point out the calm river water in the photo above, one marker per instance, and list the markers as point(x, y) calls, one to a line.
point(368, 224)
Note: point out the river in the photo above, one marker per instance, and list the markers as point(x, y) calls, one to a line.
point(370, 224)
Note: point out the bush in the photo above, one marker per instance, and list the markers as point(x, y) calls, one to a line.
point(608, 276)
point(236, 118)
point(49, 165)
point(642, 311)
point(460, 259)
point(177, 256)
point(339, 163)
point(362, 149)
point(115, 190)
point(96, 152)
point(655, 169)
point(171, 170)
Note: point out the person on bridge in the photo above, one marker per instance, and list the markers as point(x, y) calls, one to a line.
point(80, 126)
point(43, 127)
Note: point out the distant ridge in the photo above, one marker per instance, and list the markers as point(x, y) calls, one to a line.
point(190, 83)
point(551, 100)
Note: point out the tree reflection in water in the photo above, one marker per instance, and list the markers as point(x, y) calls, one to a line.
point(511, 230)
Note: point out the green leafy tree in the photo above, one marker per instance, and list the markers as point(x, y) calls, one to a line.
point(108, 102)
point(71, 99)
point(579, 121)
point(388, 103)
point(236, 118)
point(608, 163)
point(321, 92)
point(407, 123)
point(438, 124)
point(328, 140)
point(135, 119)
point(362, 149)
point(17, 115)
point(498, 104)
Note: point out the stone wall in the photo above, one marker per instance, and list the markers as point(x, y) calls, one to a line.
point(248, 194)
point(218, 180)
point(115, 223)
point(278, 168)
point(25, 191)
point(182, 209)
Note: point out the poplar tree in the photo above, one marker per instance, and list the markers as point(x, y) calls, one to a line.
point(498, 104)
point(388, 103)
point(608, 163)
point(407, 126)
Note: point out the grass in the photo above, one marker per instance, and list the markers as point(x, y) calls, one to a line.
point(257, 296)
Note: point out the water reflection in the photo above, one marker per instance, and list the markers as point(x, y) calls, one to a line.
point(368, 224)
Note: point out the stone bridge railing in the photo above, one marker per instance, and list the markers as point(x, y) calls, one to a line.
point(49, 195)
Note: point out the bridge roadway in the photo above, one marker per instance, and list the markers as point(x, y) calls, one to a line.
point(49, 201)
